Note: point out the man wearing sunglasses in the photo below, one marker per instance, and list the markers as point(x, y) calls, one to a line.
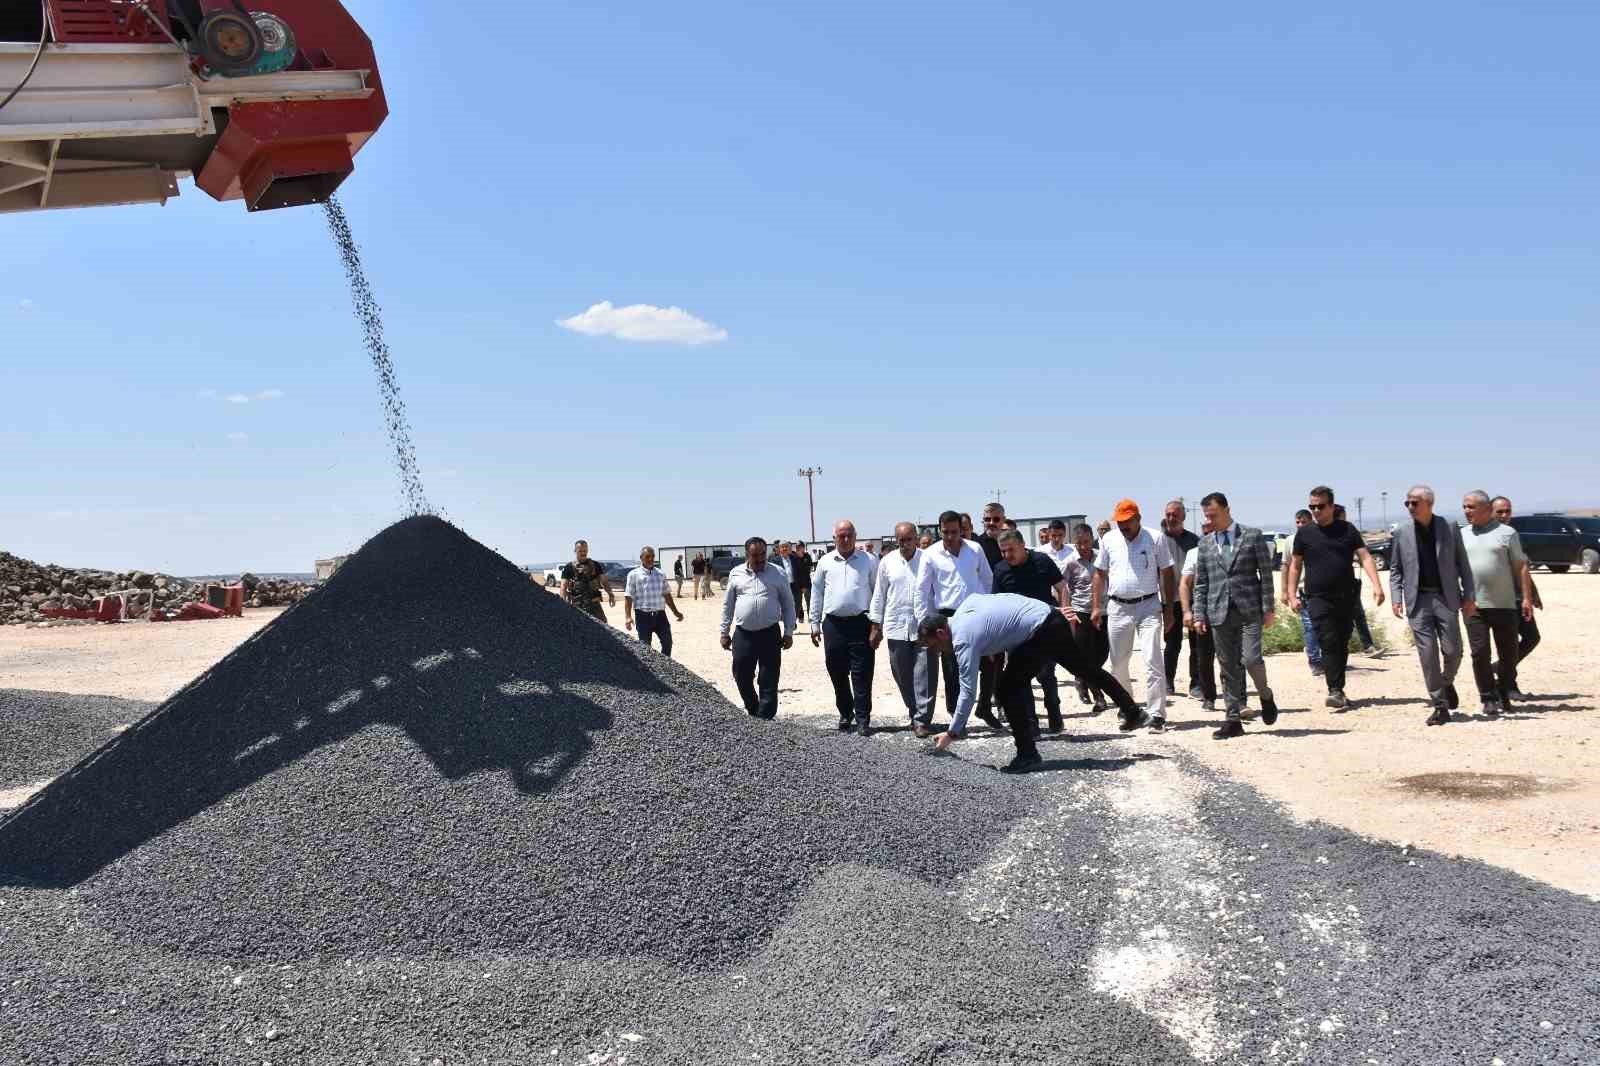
point(1325, 550)
point(994, 523)
point(1432, 586)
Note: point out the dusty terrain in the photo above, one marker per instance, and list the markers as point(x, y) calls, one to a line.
point(1541, 820)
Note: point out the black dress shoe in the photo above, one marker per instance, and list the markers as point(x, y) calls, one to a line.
point(1128, 722)
point(1269, 710)
point(864, 728)
point(1439, 716)
point(991, 721)
point(1055, 724)
point(1022, 764)
point(1451, 697)
point(1230, 728)
point(845, 725)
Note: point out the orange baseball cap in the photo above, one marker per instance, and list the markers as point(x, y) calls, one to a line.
point(1124, 510)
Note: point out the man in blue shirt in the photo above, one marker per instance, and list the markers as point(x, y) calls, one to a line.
point(1032, 634)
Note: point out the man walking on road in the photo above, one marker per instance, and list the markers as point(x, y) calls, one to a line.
point(1431, 586)
point(1031, 632)
point(697, 571)
point(952, 570)
point(1527, 627)
point(583, 580)
point(994, 523)
point(1499, 566)
point(1036, 576)
point(1203, 648)
point(1325, 550)
point(645, 600)
point(1182, 543)
point(893, 615)
point(1233, 603)
point(677, 574)
point(800, 567)
point(841, 595)
point(1308, 632)
point(1078, 577)
point(758, 627)
point(1134, 573)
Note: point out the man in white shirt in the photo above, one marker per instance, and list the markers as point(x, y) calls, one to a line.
point(1134, 592)
point(893, 615)
point(757, 604)
point(841, 594)
point(952, 570)
point(1056, 545)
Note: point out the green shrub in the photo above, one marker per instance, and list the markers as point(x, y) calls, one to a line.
point(1287, 635)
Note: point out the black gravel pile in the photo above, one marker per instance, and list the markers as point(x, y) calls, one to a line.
point(435, 811)
point(44, 733)
point(370, 315)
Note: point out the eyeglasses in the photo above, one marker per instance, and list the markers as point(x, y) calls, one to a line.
point(1413, 503)
point(1317, 506)
point(991, 520)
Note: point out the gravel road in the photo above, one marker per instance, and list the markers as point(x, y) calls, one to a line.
point(393, 829)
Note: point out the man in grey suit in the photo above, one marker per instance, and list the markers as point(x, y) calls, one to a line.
point(1233, 601)
point(1431, 585)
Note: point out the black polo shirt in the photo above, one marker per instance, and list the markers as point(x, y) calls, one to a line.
point(1036, 578)
point(1327, 553)
point(991, 549)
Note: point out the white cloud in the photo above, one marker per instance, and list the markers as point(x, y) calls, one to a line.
point(238, 436)
point(25, 305)
point(643, 322)
point(238, 397)
point(269, 394)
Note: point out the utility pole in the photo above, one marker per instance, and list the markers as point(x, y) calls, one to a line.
point(1385, 496)
point(995, 494)
point(811, 500)
point(1359, 523)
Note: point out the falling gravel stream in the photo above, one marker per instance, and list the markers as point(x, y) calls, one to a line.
point(371, 319)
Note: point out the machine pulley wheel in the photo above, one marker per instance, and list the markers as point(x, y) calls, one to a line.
point(230, 42)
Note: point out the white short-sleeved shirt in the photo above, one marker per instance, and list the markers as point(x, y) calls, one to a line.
point(1133, 569)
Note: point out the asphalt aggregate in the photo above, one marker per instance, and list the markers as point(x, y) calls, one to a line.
point(432, 814)
point(370, 316)
point(44, 733)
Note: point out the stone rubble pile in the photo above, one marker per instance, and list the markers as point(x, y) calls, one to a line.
point(28, 589)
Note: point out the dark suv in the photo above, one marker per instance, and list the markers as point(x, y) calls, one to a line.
point(1556, 542)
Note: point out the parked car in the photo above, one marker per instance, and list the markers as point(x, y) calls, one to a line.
point(722, 566)
point(1381, 550)
point(1554, 541)
point(1590, 530)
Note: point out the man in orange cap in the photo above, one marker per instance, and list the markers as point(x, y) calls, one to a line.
point(1135, 587)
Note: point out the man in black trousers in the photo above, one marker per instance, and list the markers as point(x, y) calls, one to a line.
point(758, 627)
point(841, 595)
point(1325, 550)
point(994, 523)
point(1034, 575)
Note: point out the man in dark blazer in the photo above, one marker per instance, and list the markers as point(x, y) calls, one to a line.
point(1233, 601)
point(1431, 586)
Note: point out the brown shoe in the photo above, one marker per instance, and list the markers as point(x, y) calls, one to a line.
point(920, 731)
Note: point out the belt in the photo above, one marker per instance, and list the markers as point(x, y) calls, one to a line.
point(1130, 602)
point(649, 610)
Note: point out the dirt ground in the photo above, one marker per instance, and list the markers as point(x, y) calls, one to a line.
point(1541, 817)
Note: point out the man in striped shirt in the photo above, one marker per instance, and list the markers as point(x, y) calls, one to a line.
point(645, 600)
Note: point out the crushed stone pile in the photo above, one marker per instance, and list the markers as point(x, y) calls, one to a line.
point(27, 589)
point(433, 811)
point(44, 733)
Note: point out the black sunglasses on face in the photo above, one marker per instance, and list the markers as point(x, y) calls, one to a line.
point(1317, 506)
point(1413, 503)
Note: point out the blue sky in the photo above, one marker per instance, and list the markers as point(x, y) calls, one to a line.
point(1070, 253)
